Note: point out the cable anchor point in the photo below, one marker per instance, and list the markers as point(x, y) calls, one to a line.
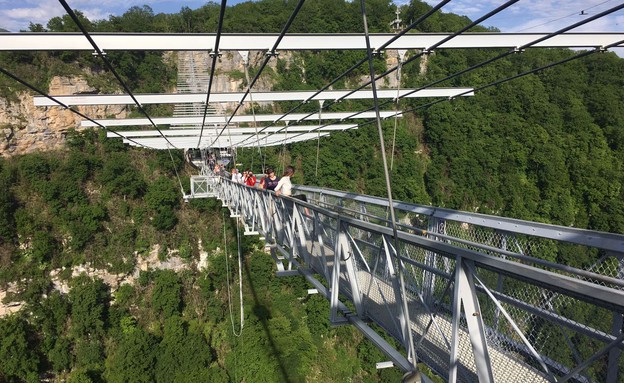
point(271, 53)
point(602, 49)
point(214, 53)
point(518, 50)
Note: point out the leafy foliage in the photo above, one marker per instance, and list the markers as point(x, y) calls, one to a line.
point(18, 359)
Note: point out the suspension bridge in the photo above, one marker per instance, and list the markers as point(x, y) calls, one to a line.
point(479, 302)
point(469, 295)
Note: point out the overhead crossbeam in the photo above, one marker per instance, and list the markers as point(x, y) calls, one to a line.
point(231, 130)
point(196, 120)
point(224, 141)
point(290, 42)
point(178, 98)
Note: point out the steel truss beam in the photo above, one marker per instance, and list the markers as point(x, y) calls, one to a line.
point(236, 97)
point(291, 42)
point(357, 261)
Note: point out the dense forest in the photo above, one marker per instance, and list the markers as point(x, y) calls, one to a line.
point(547, 147)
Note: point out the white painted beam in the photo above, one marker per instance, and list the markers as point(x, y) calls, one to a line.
point(179, 98)
point(221, 119)
point(224, 141)
point(208, 131)
point(263, 42)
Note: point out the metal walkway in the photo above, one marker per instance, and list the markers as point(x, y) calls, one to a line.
point(483, 304)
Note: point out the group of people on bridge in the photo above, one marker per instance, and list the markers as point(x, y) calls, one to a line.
point(270, 181)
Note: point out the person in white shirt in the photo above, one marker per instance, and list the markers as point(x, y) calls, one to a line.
point(284, 186)
point(236, 176)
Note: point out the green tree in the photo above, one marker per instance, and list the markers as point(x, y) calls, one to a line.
point(132, 360)
point(89, 301)
point(60, 355)
point(183, 352)
point(167, 293)
point(8, 204)
point(119, 176)
point(18, 355)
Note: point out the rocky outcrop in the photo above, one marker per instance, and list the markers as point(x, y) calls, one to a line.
point(25, 128)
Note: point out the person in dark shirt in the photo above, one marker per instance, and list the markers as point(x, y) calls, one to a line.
point(271, 180)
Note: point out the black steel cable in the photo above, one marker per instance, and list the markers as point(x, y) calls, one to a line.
point(408, 341)
point(435, 46)
point(477, 66)
point(426, 51)
point(215, 55)
point(109, 66)
point(355, 66)
point(526, 73)
point(59, 103)
point(269, 54)
point(521, 48)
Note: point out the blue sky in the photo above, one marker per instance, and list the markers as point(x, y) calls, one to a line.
point(524, 16)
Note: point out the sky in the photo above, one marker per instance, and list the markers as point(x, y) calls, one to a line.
point(524, 16)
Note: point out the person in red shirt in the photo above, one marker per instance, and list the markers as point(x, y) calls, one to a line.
point(251, 179)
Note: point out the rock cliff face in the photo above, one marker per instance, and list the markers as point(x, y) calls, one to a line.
point(25, 128)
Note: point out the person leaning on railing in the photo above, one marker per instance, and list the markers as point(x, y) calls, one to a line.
point(284, 186)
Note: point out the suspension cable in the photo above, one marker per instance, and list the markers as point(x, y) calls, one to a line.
point(547, 66)
point(269, 54)
point(64, 106)
point(428, 50)
point(227, 277)
point(520, 48)
point(253, 110)
point(215, 55)
point(109, 66)
point(476, 66)
point(411, 59)
point(396, 108)
point(411, 352)
point(355, 66)
point(318, 139)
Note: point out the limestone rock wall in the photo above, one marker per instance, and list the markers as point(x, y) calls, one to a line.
point(25, 128)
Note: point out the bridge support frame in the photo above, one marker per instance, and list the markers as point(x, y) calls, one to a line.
point(465, 295)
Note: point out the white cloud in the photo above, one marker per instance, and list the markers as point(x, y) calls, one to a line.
point(16, 18)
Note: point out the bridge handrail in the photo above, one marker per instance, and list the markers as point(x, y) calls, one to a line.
point(597, 239)
point(584, 290)
point(442, 274)
point(581, 273)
